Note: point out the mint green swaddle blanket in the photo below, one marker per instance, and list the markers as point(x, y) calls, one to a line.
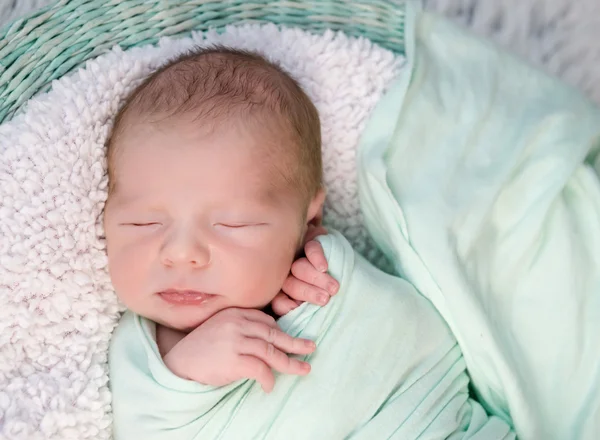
point(478, 177)
point(386, 367)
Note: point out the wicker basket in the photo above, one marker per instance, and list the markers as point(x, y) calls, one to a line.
point(44, 46)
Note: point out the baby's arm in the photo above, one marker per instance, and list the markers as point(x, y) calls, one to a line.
point(172, 397)
point(148, 401)
point(234, 344)
point(308, 280)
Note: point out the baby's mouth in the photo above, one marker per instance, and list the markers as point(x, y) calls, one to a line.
point(185, 297)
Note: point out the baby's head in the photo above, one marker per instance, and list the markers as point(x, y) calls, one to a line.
point(214, 174)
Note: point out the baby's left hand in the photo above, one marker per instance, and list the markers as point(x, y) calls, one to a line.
point(309, 280)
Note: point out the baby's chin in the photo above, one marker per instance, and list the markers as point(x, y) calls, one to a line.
point(183, 321)
point(186, 318)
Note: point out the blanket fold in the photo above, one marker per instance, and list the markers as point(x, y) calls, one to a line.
point(477, 177)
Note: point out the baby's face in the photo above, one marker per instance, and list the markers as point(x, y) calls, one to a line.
point(195, 224)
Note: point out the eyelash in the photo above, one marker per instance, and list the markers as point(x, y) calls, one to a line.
point(141, 224)
point(239, 226)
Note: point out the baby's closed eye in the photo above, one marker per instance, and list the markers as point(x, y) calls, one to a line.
point(236, 225)
point(140, 224)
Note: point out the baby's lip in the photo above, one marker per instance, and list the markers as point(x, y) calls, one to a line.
point(185, 296)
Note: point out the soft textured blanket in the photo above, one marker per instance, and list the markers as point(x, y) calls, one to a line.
point(386, 367)
point(480, 180)
point(57, 306)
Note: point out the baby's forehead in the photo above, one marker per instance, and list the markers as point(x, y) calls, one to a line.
point(243, 164)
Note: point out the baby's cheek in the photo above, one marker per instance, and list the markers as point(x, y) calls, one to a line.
point(279, 263)
point(126, 275)
point(256, 280)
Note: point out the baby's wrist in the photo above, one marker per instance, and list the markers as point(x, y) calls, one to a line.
point(173, 362)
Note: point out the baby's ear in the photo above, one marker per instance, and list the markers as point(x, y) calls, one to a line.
point(314, 216)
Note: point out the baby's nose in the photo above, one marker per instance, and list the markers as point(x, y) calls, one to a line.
point(185, 249)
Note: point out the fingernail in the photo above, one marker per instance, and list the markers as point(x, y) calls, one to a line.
point(322, 299)
point(310, 344)
point(332, 287)
point(322, 268)
point(305, 366)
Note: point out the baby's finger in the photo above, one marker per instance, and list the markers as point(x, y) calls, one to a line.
point(301, 291)
point(305, 271)
point(315, 255)
point(283, 304)
point(253, 368)
point(280, 340)
point(274, 358)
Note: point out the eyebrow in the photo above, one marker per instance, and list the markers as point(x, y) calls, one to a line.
point(268, 192)
point(121, 202)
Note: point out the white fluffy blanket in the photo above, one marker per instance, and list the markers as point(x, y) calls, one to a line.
point(57, 307)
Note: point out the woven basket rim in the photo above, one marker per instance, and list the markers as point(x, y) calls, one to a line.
point(58, 38)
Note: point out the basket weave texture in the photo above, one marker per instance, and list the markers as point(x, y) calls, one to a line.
point(44, 46)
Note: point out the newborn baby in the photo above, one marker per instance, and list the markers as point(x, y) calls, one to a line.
point(215, 177)
point(201, 216)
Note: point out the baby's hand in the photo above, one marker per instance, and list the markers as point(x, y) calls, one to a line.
point(308, 280)
point(238, 344)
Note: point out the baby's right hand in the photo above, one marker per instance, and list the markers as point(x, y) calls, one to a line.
point(238, 344)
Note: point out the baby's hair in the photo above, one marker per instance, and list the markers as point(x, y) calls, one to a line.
point(216, 83)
